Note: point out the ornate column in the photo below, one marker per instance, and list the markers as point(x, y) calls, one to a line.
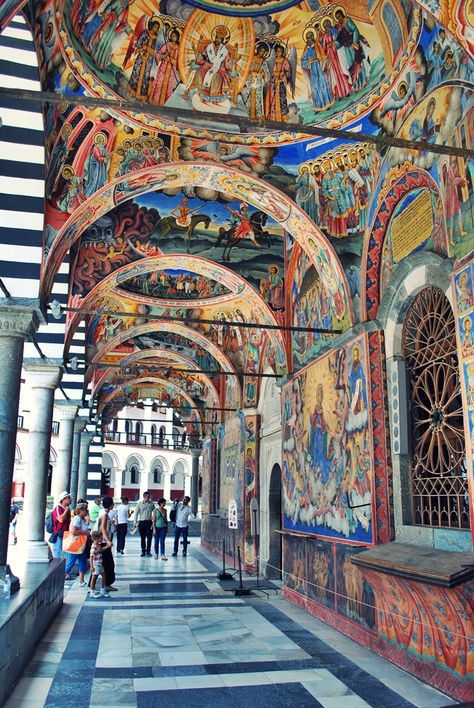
point(79, 427)
point(43, 377)
point(67, 411)
point(167, 485)
point(19, 320)
point(194, 493)
point(86, 439)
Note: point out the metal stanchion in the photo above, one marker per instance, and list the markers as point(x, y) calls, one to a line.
point(241, 590)
point(224, 575)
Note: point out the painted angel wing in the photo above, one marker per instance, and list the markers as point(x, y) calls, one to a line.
point(139, 28)
point(271, 61)
point(293, 60)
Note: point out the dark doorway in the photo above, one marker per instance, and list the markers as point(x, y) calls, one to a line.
point(273, 569)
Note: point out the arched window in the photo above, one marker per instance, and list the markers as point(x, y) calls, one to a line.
point(162, 435)
point(133, 474)
point(157, 474)
point(138, 429)
point(439, 490)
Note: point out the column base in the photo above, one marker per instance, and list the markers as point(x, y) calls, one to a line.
point(37, 551)
point(15, 581)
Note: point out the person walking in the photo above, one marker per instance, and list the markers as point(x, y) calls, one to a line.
point(183, 512)
point(105, 526)
point(79, 527)
point(160, 528)
point(61, 520)
point(143, 515)
point(123, 514)
point(94, 511)
point(14, 511)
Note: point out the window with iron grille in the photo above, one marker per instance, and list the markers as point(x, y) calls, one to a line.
point(439, 489)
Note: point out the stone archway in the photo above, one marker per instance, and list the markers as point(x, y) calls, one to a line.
point(273, 567)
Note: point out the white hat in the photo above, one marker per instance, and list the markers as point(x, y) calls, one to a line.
point(62, 496)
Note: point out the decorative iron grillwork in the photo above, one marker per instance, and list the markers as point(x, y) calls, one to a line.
point(438, 466)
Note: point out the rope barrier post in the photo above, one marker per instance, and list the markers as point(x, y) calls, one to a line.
point(224, 575)
point(238, 592)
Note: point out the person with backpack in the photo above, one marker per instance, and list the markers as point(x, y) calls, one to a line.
point(183, 512)
point(61, 517)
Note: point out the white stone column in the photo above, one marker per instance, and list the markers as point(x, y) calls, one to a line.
point(43, 377)
point(187, 485)
point(79, 427)
point(19, 320)
point(167, 485)
point(86, 439)
point(67, 412)
point(118, 474)
point(144, 481)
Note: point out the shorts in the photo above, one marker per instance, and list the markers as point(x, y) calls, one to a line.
point(98, 569)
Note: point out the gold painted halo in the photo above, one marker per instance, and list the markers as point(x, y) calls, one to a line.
point(324, 161)
point(223, 31)
point(402, 83)
point(66, 170)
point(152, 21)
point(173, 28)
point(341, 8)
point(327, 18)
point(304, 167)
point(100, 138)
point(307, 31)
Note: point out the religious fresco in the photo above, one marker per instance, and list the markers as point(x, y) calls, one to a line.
point(251, 481)
point(355, 597)
point(294, 564)
point(327, 447)
point(320, 573)
point(463, 292)
point(231, 444)
point(289, 65)
point(313, 306)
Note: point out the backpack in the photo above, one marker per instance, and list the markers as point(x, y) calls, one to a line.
point(172, 516)
point(49, 523)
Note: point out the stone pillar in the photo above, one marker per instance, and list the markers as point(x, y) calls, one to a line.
point(43, 377)
point(19, 320)
point(194, 494)
point(79, 427)
point(144, 481)
point(62, 472)
point(167, 485)
point(86, 439)
point(117, 481)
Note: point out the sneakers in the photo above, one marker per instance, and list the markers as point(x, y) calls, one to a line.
point(95, 594)
point(156, 558)
point(142, 555)
point(184, 554)
point(148, 553)
point(174, 554)
point(104, 593)
point(82, 585)
point(163, 558)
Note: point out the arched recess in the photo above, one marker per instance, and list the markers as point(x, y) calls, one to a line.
point(412, 180)
point(157, 357)
point(134, 471)
point(244, 296)
point(179, 472)
point(230, 181)
point(158, 468)
point(274, 563)
point(110, 460)
point(413, 275)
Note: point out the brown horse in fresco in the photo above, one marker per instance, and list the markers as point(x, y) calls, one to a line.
point(168, 225)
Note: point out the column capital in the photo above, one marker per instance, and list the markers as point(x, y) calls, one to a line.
point(80, 424)
point(20, 317)
point(67, 410)
point(87, 437)
point(195, 452)
point(43, 373)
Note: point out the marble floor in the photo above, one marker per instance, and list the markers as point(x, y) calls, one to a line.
point(173, 636)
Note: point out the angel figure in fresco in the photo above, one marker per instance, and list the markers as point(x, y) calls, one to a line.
point(214, 68)
point(467, 340)
point(144, 48)
point(114, 22)
point(435, 65)
point(401, 100)
point(97, 166)
point(282, 67)
point(338, 78)
point(254, 90)
point(313, 63)
point(167, 76)
point(238, 156)
point(351, 42)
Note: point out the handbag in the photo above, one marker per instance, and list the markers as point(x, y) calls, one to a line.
point(74, 544)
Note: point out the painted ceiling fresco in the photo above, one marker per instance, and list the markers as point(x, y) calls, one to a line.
point(195, 242)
